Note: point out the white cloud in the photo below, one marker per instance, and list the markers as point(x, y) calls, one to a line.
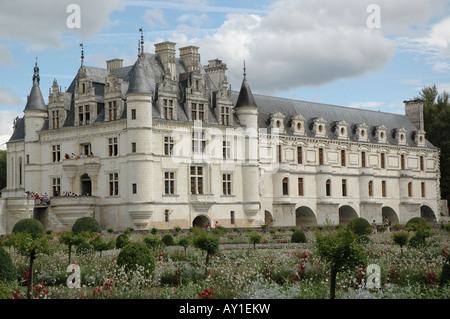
point(44, 24)
point(155, 17)
point(9, 99)
point(5, 55)
point(6, 125)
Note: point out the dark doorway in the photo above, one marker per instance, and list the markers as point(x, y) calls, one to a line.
point(200, 221)
point(86, 185)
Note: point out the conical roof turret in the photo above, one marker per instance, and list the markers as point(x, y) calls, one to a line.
point(35, 100)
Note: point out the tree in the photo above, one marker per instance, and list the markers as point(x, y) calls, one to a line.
point(340, 251)
point(255, 238)
point(401, 239)
point(28, 238)
point(436, 116)
point(208, 243)
point(70, 239)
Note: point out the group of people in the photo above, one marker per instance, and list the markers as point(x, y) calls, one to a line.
point(386, 222)
point(73, 156)
point(38, 198)
point(70, 194)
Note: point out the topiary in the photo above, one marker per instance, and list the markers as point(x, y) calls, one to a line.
point(359, 226)
point(298, 236)
point(168, 240)
point(122, 240)
point(153, 242)
point(30, 225)
point(8, 273)
point(136, 254)
point(86, 224)
point(417, 223)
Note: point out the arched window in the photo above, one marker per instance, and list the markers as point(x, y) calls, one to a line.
point(285, 186)
point(410, 189)
point(328, 187)
point(20, 171)
point(370, 188)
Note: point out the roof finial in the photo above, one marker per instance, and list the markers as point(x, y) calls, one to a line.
point(142, 40)
point(36, 72)
point(139, 49)
point(245, 72)
point(82, 53)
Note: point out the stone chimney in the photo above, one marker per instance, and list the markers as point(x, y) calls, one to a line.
point(114, 64)
point(216, 71)
point(414, 112)
point(190, 57)
point(166, 53)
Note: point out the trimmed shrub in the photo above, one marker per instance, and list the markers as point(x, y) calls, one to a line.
point(417, 223)
point(208, 243)
point(122, 240)
point(359, 226)
point(153, 242)
point(401, 239)
point(298, 236)
point(30, 225)
point(8, 273)
point(168, 240)
point(86, 224)
point(136, 254)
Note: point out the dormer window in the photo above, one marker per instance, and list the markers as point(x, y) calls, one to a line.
point(277, 122)
point(400, 136)
point(198, 111)
point(168, 109)
point(298, 125)
point(225, 115)
point(319, 127)
point(361, 132)
point(419, 137)
point(340, 130)
point(380, 134)
point(112, 110)
point(84, 115)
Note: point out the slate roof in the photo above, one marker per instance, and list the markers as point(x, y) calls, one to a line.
point(35, 100)
point(268, 105)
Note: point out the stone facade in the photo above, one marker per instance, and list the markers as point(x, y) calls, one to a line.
point(165, 143)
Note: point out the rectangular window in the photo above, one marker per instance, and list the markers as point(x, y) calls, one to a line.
point(300, 186)
point(168, 145)
point(197, 111)
point(113, 146)
point(279, 151)
point(422, 189)
point(133, 114)
point(112, 110)
point(226, 149)
point(344, 187)
point(421, 163)
point(113, 184)
point(134, 188)
point(402, 161)
point(342, 157)
point(299, 155)
point(55, 119)
point(363, 159)
point(383, 188)
point(56, 153)
point(166, 216)
point(320, 156)
point(84, 115)
point(169, 183)
point(168, 109)
point(232, 220)
point(225, 115)
point(133, 147)
point(328, 187)
point(226, 184)
point(196, 180)
point(285, 186)
point(56, 186)
point(198, 142)
point(410, 189)
point(382, 160)
point(370, 190)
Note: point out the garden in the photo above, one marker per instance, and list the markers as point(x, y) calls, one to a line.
point(409, 261)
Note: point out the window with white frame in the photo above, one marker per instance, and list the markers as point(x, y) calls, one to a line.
point(198, 142)
point(169, 183)
point(113, 146)
point(113, 184)
point(226, 184)
point(196, 180)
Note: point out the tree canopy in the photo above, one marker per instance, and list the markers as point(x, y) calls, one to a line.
point(436, 116)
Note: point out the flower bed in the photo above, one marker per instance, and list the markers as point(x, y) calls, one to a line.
point(272, 269)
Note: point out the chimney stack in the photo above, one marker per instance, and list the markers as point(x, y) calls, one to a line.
point(414, 112)
point(190, 57)
point(166, 53)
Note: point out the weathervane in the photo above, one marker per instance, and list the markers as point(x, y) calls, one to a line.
point(82, 53)
point(142, 40)
point(245, 72)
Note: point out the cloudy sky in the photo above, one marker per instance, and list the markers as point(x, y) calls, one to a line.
point(371, 54)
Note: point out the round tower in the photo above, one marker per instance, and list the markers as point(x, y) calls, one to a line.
point(247, 112)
